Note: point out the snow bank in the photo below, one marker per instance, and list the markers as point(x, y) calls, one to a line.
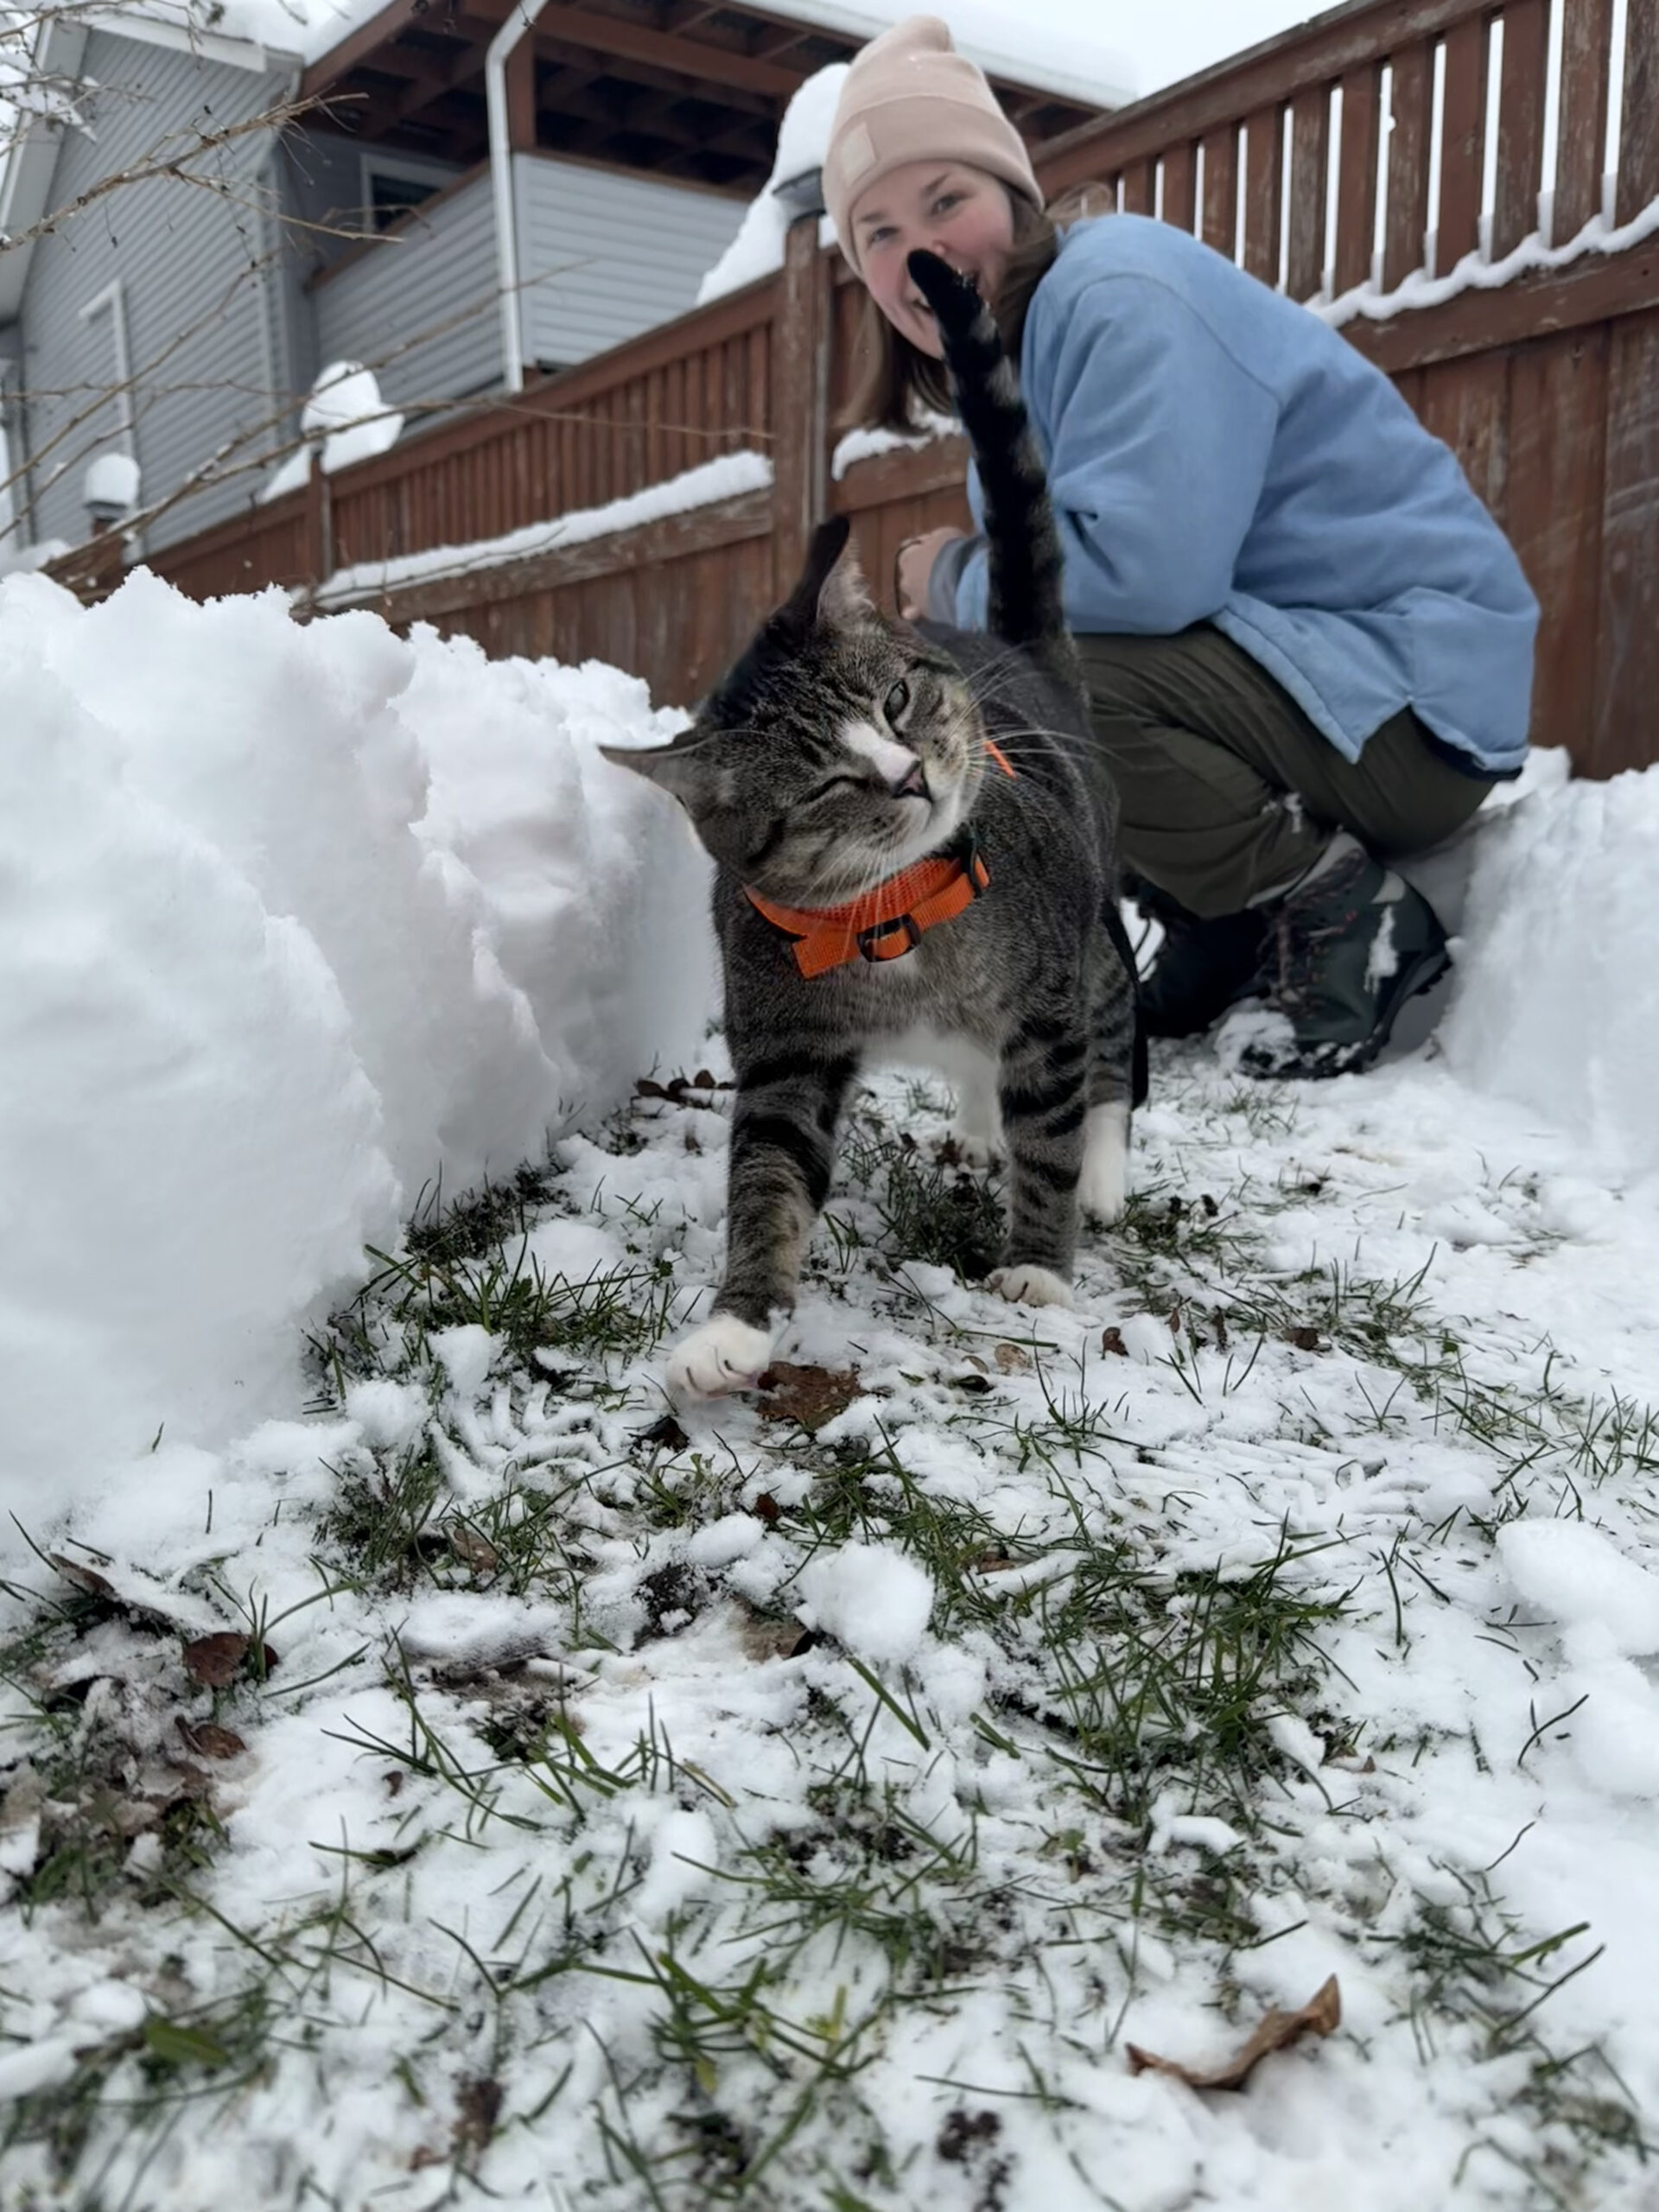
point(1556, 1003)
point(297, 918)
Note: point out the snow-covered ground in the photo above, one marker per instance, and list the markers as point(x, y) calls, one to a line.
point(805, 1800)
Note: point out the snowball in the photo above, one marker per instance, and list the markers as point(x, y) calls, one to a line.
point(465, 1353)
point(871, 1599)
point(390, 1414)
point(734, 1535)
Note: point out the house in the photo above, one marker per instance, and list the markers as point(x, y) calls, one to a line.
point(460, 195)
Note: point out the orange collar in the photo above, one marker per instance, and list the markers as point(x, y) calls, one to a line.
point(889, 921)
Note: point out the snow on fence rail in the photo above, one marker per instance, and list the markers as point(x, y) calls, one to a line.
point(1470, 191)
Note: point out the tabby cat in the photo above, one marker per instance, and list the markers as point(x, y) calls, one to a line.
point(914, 847)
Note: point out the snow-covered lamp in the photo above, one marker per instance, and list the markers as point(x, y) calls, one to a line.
point(109, 490)
point(803, 193)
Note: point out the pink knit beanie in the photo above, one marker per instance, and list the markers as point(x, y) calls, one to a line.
point(910, 96)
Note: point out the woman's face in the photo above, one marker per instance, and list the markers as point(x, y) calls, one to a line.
point(962, 214)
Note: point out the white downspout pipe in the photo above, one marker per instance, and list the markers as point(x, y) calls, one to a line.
point(506, 228)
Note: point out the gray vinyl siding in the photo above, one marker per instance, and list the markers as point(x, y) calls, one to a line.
point(431, 282)
point(188, 259)
point(603, 254)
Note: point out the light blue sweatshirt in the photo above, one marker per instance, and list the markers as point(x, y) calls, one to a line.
point(1216, 454)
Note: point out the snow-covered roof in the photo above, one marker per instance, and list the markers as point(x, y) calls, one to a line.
point(1007, 42)
point(1014, 44)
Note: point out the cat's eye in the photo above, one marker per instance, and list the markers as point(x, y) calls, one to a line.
point(835, 784)
point(896, 700)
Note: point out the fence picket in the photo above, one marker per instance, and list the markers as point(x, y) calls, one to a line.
point(1463, 144)
point(1406, 217)
point(1263, 191)
point(1180, 179)
point(1362, 117)
point(1220, 217)
point(1520, 123)
point(1309, 154)
point(1638, 145)
point(1586, 67)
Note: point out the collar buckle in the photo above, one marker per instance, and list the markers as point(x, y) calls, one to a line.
point(875, 942)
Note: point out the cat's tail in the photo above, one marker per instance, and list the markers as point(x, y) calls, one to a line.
point(1024, 606)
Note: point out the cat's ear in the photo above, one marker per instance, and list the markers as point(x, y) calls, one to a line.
point(832, 588)
point(671, 767)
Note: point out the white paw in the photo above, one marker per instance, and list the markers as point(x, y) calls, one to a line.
point(974, 1150)
point(1027, 1285)
point(1102, 1187)
point(724, 1354)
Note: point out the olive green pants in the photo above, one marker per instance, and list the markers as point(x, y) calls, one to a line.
point(1230, 792)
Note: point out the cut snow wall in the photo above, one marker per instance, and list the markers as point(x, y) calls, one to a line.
point(297, 920)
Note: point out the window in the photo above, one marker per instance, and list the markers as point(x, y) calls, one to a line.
point(388, 196)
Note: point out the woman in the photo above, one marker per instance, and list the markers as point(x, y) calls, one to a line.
point(1309, 647)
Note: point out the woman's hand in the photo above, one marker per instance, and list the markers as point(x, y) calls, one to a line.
point(913, 571)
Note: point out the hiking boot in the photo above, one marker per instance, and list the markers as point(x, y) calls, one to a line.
point(1199, 969)
point(1346, 949)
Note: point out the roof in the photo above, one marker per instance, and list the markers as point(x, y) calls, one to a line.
point(682, 88)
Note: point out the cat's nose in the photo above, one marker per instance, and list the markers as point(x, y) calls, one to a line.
point(912, 783)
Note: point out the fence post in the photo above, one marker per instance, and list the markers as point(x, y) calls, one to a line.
point(801, 336)
point(318, 522)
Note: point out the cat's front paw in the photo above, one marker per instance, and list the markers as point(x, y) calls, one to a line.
point(970, 1148)
point(723, 1354)
point(1027, 1284)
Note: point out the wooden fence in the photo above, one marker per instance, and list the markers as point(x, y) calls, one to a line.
point(1354, 151)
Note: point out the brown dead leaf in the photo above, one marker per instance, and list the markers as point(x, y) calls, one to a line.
point(94, 1585)
point(993, 1563)
point(1111, 1340)
point(1011, 1359)
point(1306, 1340)
point(767, 1510)
point(976, 1386)
point(208, 1740)
point(216, 1661)
point(764, 1639)
point(810, 1395)
point(1176, 1317)
point(84, 1578)
point(477, 2107)
point(1320, 2016)
point(471, 1549)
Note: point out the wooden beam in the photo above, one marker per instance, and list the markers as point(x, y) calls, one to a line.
point(723, 522)
point(1597, 288)
point(686, 57)
point(677, 81)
